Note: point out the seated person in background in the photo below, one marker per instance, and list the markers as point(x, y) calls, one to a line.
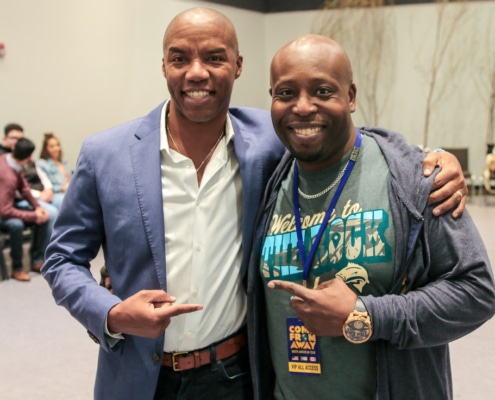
point(41, 186)
point(42, 191)
point(12, 132)
point(12, 219)
point(53, 165)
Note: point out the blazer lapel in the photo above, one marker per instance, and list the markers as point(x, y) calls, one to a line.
point(145, 158)
point(251, 169)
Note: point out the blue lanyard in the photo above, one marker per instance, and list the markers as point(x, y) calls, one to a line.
point(308, 260)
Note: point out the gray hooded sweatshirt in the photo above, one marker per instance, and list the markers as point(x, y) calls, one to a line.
point(442, 289)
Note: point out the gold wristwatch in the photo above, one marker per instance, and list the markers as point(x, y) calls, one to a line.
point(357, 327)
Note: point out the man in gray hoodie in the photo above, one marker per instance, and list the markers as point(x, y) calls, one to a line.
point(355, 287)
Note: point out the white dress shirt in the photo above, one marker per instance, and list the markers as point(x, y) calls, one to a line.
point(203, 243)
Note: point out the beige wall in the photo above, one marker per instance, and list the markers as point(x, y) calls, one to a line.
point(76, 67)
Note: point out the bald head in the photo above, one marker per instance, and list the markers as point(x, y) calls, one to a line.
point(311, 48)
point(313, 98)
point(197, 17)
point(200, 62)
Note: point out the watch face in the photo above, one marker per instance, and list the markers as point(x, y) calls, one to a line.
point(357, 331)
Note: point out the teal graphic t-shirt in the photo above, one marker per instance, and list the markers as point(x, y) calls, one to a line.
point(357, 245)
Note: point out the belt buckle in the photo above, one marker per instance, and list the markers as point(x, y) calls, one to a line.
point(174, 362)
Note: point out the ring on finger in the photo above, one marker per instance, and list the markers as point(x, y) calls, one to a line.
point(459, 193)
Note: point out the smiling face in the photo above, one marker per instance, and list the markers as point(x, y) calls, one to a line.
point(201, 63)
point(312, 100)
point(53, 148)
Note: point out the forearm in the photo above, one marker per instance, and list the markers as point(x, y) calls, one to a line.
point(75, 289)
point(447, 298)
point(8, 211)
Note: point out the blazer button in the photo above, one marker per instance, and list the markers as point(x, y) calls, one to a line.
point(156, 357)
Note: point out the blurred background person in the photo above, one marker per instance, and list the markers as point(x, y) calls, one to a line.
point(12, 133)
point(51, 162)
point(14, 220)
point(39, 183)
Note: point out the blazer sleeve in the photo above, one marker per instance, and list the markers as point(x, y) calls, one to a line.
point(77, 238)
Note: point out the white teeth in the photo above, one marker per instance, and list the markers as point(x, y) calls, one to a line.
point(198, 95)
point(307, 131)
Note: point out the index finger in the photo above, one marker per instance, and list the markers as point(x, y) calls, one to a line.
point(178, 309)
point(291, 287)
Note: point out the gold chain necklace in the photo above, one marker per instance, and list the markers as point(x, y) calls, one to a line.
point(353, 157)
point(209, 153)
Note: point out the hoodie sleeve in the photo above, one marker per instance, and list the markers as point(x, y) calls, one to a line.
point(449, 291)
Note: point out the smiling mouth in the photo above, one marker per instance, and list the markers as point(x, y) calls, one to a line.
point(198, 94)
point(307, 131)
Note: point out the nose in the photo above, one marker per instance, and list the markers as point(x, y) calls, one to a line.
point(197, 71)
point(304, 105)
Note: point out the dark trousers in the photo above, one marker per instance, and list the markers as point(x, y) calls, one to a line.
point(39, 240)
point(227, 379)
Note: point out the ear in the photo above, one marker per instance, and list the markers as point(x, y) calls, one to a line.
point(164, 71)
point(352, 97)
point(238, 64)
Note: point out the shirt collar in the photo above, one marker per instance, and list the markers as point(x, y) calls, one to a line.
point(229, 130)
point(16, 167)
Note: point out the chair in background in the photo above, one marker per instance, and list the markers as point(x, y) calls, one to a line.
point(462, 155)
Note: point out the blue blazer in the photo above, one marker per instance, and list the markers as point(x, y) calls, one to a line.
point(115, 202)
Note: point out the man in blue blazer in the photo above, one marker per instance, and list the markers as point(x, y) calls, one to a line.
point(172, 199)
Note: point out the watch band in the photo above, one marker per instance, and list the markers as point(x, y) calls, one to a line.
point(360, 305)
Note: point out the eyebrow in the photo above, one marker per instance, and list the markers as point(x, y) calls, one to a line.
point(211, 51)
point(217, 50)
point(313, 81)
point(175, 50)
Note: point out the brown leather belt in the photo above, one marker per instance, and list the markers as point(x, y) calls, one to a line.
point(184, 360)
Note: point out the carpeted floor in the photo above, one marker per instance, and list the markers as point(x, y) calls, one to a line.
point(46, 355)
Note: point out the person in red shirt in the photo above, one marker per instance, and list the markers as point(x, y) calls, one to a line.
point(14, 220)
